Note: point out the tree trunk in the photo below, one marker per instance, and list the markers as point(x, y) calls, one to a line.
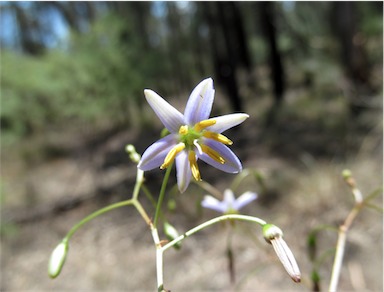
point(223, 55)
point(28, 29)
point(352, 53)
point(275, 63)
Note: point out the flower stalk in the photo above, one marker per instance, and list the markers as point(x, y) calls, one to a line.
point(343, 229)
point(161, 195)
point(211, 222)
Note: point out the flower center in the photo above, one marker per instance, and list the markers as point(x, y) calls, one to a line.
point(188, 135)
point(190, 140)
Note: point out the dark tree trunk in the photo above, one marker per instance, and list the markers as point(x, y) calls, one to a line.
point(141, 13)
point(68, 11)
point(352, 54)
point(175, 47)
point(27, 27)
point(345, 22)
point(238, 36)
point(223, 54)
point(275, 61)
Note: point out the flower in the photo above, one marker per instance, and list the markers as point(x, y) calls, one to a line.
point(229, 205)
point(192, 136)
point(274, 236)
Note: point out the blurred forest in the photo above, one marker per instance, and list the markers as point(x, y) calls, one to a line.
point(72, 80)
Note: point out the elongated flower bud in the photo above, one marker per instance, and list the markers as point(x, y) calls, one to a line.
point(57, 259)
point(274, 236)
point(171, 233)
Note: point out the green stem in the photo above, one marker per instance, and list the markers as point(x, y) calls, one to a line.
point(133, 201)
point(139, 182)
point(148, 194)
point(160, 250)
point(161, 195)
point(211, 222)
point(95, 214)
point(239, 178)
point(209, 188)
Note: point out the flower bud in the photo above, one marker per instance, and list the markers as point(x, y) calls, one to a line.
point(57, 259)
point(171, 233)
point(346, 173)
point(133, 155)
point(274, 236)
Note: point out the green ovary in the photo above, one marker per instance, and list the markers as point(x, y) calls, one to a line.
point(188, 135)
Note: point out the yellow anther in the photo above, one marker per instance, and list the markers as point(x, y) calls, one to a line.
point(217, 137)
point(183, 130)
point(204, 124)
point(194, 167)
point(172, 154)
point(212, 153)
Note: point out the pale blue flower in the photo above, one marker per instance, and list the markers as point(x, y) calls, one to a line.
point(229, 204)
point(193, 135)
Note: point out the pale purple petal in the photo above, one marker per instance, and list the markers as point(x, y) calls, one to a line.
point(184, 172)
point(244, 199)
point(229, 199)
point(155, 154)
point(232, 163)
point(226, 122)
point(210, 202)
point(171, 118)
point(200, 102)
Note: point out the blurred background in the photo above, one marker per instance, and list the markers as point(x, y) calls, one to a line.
point(72, 80)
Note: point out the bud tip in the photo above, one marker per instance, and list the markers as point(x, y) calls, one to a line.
point(57, 259)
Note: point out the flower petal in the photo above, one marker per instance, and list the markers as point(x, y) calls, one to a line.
point(232, 163)
point(171, 118)
point(227, 121)
point(210, 202)
point(244, 199)
point(183, 170)
point(229, 199)
point(155, 154)
point(200, 102)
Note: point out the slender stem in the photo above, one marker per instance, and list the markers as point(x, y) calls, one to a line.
point(139, 182)
point(142, 212)
point(95, 214)
point(133, 201)
point(159, 258)
point(209, 188)
point(239, 178)
point(211, 222)
point(148, 194)
point(231, 259)
point(340, 247)
point(160, 250)
point(162, 193)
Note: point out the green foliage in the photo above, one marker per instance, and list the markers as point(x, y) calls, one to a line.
point(96, 81)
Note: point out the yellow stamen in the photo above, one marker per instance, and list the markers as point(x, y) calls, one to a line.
point(204, 124)
point(183, 130)
point(212, 153)
point(172, 154)
point(194, 167)
point(217, 137)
